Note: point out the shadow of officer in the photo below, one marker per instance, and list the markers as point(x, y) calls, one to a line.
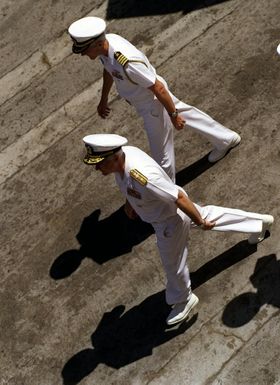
point(102, 240)
point(125, 337)
point(132, 8)
point(266, 279)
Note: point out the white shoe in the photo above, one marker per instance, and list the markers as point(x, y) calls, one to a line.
point(258, 237)
point(180, 311)
point(216, 154)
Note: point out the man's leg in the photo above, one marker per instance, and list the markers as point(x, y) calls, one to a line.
point(228, 219)
point(159, 130)
point(172, 244)
point(222, 138)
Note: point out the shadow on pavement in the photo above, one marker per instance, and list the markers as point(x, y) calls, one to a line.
point(266, 281)
point(191, 172)
point(222, 262)
point(125, 337)
point(102, 240)
point(117, 9)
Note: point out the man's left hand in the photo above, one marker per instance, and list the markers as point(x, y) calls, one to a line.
point(130, 212)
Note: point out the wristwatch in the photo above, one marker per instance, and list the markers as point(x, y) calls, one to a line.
point(173, 114)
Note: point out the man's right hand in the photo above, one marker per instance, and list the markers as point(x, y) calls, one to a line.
point(103, 109)
point(208, 225)
point(178, 122)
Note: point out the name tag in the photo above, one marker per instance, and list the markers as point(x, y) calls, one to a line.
point(134, 193)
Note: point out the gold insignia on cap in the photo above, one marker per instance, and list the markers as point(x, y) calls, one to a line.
point(140, 178)
point(93, 157)
point(92, 160)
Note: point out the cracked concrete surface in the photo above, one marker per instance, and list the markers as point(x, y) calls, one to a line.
point(82, 288)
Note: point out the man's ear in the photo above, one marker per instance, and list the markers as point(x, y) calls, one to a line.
point(99, 44)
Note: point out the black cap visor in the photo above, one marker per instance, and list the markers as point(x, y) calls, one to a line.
point(80, 47)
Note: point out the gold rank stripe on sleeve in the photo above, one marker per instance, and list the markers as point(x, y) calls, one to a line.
point(121, 59)
point(140, 178)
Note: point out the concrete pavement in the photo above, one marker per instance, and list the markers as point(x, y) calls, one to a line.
point(82, 287)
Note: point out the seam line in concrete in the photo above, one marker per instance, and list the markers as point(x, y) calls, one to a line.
point(211, 379)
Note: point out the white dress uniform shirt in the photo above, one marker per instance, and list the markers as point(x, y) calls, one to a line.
point(132, 82)
point(154, 200)
point(143, 75)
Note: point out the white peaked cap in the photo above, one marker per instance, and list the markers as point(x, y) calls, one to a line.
point(100, 146)
point(84, 31)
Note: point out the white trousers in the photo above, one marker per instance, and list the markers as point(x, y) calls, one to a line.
point(159, 129)
point(172, 240)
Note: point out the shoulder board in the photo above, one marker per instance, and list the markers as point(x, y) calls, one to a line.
point(140, 178)
point(121, 59)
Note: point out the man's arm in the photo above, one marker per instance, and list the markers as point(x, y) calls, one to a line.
point(130, 212)
point(187, 206)
point(102, 108)
point(164, 97)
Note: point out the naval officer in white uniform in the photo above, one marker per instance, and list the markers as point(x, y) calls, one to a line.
point(137, 82)
point(157, 200)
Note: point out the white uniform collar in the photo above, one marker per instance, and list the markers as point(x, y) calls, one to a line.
point(110, 58)
point(110, 53)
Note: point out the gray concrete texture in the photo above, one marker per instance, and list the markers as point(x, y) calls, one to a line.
point(82, 287)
